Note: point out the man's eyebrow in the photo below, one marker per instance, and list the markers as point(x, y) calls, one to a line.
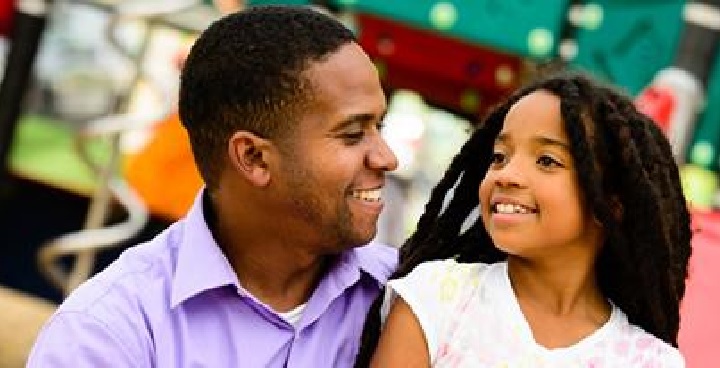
point(361, 119)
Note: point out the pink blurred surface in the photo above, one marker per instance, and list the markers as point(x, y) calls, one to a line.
point(699, 337)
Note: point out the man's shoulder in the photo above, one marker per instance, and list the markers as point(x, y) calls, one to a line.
point(107, 316)
point(140, 271)
point(378, 259)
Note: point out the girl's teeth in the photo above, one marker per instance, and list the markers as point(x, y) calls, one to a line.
point(507, 208)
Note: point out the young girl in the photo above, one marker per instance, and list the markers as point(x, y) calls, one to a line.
point(580, 254)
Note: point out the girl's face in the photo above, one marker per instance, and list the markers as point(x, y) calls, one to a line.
point(530, 197)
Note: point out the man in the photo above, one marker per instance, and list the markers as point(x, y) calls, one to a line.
point(268, 269)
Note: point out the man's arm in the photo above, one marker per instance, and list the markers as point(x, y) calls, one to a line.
point(79, 340)
point(402, 342)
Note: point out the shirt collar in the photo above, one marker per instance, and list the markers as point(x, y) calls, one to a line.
point(201, 264)
point(375, 259)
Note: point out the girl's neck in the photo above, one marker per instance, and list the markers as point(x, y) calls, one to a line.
point(558, 286)
point(561, 302)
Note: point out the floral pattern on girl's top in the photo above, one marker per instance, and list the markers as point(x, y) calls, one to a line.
point(471, 318)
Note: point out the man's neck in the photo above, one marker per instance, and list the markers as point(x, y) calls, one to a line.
point(277, 277)
point(279, 272)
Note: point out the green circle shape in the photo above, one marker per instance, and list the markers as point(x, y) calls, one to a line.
point(540, 42)
point(443, 15)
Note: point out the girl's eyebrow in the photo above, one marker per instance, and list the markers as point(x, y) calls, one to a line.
point(502, 138)
point(547, 141)
point(538, 139)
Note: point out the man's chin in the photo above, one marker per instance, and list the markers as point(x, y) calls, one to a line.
point(365, 240)
point(359, 240)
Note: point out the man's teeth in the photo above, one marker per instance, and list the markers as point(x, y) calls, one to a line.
point(507, 208)
point(367, 195)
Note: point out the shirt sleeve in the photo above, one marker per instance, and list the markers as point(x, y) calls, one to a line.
point(79, 340)
point(431, 290)
point(671, 358)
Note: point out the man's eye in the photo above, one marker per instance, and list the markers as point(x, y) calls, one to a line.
point(353, 137)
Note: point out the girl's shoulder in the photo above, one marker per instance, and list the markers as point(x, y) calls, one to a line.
point(443, 281)
point(638, 345)
point(452, 268)
point(448, 275)
point(434, 291)
point(655, 350)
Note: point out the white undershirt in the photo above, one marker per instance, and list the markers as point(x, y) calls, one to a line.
point(293, 316)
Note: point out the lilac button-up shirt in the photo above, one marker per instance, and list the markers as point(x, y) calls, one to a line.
point(176, 302)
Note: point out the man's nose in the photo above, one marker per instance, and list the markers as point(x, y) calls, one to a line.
point(381, 157)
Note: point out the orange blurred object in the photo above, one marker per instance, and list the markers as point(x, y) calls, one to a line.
point(164, 172)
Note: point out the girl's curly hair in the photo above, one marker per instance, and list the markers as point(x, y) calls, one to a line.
point(629, 179)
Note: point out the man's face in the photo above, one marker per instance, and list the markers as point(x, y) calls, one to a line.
point(333, 167)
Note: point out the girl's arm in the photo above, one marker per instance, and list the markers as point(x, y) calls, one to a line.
point(402, 341)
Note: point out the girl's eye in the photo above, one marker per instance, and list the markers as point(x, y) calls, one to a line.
point(547, 161)
point(498, 158)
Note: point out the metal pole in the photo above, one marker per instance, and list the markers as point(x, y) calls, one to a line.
point(28, 25)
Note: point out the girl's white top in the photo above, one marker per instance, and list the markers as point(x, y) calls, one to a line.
point(471, 318)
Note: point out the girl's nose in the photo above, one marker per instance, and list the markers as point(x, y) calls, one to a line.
point(510, 175)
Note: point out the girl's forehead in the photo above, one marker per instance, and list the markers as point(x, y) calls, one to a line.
point(537, 111)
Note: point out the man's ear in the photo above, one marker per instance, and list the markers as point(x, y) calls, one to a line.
point(249, 155)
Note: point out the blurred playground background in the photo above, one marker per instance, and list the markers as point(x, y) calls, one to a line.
point(93, 158)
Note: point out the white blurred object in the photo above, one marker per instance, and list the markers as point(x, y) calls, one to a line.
point(424, 140)
point(96, 235)
point(446, 133)
point(404, 130)
point(82, 72)
point(688, 97)
point(3, 53)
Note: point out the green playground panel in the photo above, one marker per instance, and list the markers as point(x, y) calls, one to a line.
point(44, 150)
point(628, 41)
point(529, 28)
point(705, 149)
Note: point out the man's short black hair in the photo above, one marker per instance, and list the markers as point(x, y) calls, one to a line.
point(245, 73)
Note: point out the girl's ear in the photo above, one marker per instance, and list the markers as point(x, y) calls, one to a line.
point(249, 155)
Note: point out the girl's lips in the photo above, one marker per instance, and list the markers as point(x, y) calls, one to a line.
point(505, 201)
point(508, 208)
point(510, 219)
